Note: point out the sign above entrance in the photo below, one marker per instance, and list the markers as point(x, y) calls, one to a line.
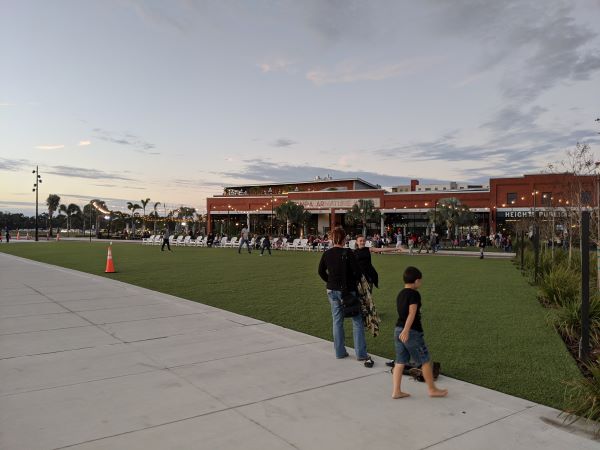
point(345, 203)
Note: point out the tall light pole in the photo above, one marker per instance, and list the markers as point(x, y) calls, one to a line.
point(36, 188)
point(536, 237)
point(271, 230)
point(598, 223)
point(228, 209)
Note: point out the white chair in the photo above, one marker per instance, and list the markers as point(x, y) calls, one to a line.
point(223, 242)
point(368, 244)
point(172, 239)
point(233, 242)
point(179, 240)
point(148, 240)
point(293, 245)
point(352, 244)
point(199, 241)
point(186, 241)
point(304, 245)
point(157, 240)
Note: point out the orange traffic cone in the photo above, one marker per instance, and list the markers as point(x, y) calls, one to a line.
point(110, 268)
point(18, 235)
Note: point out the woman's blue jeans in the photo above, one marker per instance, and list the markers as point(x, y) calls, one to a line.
point(358, 329)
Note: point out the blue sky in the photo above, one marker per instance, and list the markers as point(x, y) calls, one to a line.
point(127, 99)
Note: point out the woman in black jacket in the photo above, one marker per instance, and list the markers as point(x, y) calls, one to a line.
point(369, 279)
point(332, 266)
point(363, 258)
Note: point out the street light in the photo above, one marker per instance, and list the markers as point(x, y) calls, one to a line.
point(36, 188)
point(597, 163)
point(228, 209)
point(271, 193)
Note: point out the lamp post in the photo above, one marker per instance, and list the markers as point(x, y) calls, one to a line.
point(228, 224)
point(36, 188)
point(598, 224)
point(271, 193)
point(91, 205)
point(536, 237)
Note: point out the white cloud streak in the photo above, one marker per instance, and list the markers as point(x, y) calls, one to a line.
point(349, 72)
point(49, 147)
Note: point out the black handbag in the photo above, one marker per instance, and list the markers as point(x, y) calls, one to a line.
point(350, 302)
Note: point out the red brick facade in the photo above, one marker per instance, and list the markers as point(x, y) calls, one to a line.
point(551, 190)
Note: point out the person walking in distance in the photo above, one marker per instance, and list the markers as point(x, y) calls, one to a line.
point(482, 242)
point(408, 336)
point(266, 243)
point(165, 240)
point(244, 240)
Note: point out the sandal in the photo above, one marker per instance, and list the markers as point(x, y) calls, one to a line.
point(369, 362)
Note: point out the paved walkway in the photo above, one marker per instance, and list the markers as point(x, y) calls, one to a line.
point(91, 363)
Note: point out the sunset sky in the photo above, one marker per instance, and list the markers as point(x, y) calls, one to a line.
point(125, 99)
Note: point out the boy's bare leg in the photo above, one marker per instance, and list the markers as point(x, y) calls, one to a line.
point(427, 370)
point(397, 379)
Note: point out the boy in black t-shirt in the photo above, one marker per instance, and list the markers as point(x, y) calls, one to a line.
point(408, 335)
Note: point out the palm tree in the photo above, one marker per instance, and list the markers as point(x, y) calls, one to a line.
point(291, 212)
point(186, 213)
point(70, 211)
point(452, 213)
point(52, 202)
point(144, 203)
point(156, 205)
point(133, 207)
point(362, 212)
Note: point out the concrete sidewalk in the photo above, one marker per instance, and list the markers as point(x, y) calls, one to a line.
point(91, 363)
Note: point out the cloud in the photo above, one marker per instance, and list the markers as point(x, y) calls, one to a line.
point(277, 65)
point(349, 72)
point(157, 15)
point(13, 165)
point(511, 118)
point(535, 45)
point(337, 20)
point(263, 171)
point(503, 154)
point(49, 147)
point(127, 139)
point(80, 172)
point(283, 142)
point(6, 104)
point(84, 143)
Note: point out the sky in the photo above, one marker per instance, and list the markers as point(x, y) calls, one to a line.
point(129, 99)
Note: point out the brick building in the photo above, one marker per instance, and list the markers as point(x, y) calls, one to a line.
point(495, 205)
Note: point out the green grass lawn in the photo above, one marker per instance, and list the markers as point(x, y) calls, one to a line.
point(481, 319)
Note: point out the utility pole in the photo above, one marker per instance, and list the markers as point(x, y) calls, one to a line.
point(36, 188)
point(584, 348)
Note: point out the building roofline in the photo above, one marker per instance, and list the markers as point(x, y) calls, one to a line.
point(333, 180)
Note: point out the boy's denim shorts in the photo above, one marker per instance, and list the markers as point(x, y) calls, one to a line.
point(414, 351)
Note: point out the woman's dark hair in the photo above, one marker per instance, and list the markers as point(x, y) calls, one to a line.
point(338, 236)
point(412, 274)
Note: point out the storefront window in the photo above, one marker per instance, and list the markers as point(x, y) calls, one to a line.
point(511, 198)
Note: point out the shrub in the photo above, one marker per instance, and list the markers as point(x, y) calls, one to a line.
point(560, 286)
point(567, 320)
point(582, 397)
